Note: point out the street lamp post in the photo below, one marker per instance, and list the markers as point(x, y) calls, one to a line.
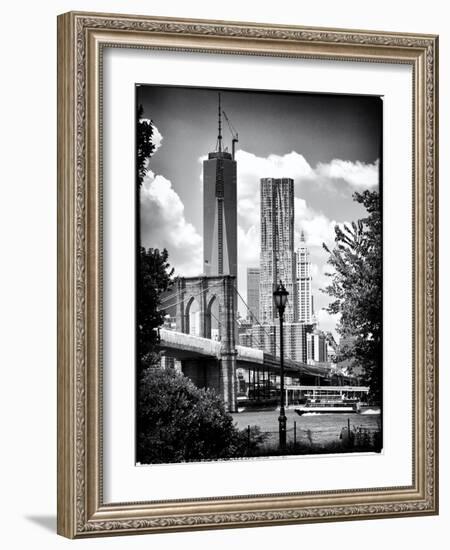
point(280, 298)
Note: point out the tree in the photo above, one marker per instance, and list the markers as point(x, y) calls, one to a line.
point(179, 422)
point(144, 150)
point(356, 286)
point(144, 145)
point(155, 277)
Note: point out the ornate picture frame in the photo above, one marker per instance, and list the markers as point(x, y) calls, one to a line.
point(82, 38)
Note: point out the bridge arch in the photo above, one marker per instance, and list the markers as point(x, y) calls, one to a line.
point(213, 298)
point(191, 317)
point(212, 318)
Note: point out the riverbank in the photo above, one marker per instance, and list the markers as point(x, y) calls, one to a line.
point(316, 433)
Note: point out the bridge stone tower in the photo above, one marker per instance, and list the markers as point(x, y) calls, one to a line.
point(219, 374)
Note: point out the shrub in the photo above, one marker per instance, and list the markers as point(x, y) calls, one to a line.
point(178, 422)
point(249, 442)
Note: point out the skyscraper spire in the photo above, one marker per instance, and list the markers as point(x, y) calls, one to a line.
point(219, 137)
point(302, 236)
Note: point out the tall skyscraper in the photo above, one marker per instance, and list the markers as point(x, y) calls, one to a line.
point(253, 276)
point(316, 347)
point(267, 337)
point(219, 210)
point(277, 247)
point(304, 291)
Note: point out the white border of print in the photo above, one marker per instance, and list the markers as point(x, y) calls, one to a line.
point(123, 481)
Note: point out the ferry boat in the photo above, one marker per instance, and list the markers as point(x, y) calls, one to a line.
point(328, 399)
point(329, 406)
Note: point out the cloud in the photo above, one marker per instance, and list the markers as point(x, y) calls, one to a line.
point(330, 177)
point(358, 175)
point(248, 245)
point(327, 322)
point(317, 227)
point(252, 168)
point(156, 135)
point(249, 212)
point(164, 225)
point(156, 138)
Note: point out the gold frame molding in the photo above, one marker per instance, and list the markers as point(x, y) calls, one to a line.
point(81, 37)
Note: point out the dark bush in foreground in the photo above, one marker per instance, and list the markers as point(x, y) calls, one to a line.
point(179, 422)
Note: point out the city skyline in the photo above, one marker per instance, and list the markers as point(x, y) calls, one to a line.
point(171, 204)
point(279, 263)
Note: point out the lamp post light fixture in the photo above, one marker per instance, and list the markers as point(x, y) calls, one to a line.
point(280, 298)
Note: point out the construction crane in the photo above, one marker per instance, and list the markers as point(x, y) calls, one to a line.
point(234, 134)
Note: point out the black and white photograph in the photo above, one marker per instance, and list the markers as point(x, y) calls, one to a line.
point(258, 274)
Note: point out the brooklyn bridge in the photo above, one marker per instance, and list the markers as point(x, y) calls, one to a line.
point(213, 362)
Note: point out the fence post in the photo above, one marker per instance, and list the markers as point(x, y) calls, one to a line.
point(351, 439)
point(295, 434)
point(248, 437)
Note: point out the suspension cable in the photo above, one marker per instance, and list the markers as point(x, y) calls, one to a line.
point(255, 318)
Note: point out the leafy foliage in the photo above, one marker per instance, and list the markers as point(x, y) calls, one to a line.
point(179, 422)
point(154, 274)
point(144, 145)
point(356, 286)
point(155, 277)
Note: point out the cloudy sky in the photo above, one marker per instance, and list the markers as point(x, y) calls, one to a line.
point(329, 144)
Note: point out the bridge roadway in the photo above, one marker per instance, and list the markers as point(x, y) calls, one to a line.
point(186, 347)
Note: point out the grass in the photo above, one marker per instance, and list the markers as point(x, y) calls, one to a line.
point(302, 448)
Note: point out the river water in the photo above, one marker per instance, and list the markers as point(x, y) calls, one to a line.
point(312, 428)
